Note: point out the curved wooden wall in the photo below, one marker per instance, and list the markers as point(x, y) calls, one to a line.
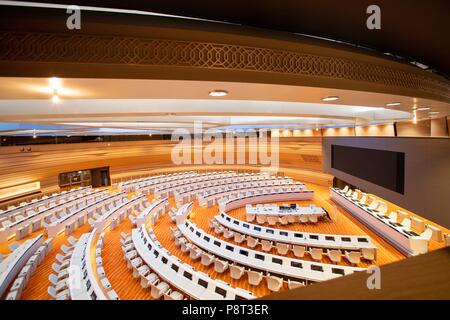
point(301, 157)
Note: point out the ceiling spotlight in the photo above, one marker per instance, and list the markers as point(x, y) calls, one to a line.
point(393, 104)
point(423, 108)
point(218, 93)
point(330, 98)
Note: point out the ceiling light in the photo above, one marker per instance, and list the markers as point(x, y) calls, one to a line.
point(392, 104)
point(34, 134)
point(218, 93)
point(149, 134)
point(330, 98)
point(433, 112)
point(423, 108)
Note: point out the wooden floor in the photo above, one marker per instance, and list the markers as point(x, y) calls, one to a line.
point(129, 288)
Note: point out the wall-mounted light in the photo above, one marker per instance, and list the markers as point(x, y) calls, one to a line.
point(330, 98)
point(218, 93)
point(393, 104)
point(415, 117)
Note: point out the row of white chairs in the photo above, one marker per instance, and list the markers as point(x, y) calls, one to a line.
point(40, 202)
point(284, 220)
point(317, 254)
point(274, 283)
point(24, 276)
point(397, 217)
point(148, 278)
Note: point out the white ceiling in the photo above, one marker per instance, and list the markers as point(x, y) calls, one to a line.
point(121, 106)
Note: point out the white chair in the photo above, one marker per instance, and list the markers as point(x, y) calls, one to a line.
point(173, 295)
point(299, 251)
point(368, 253)
point(447, 239)
point(274, 283)
point(417, 225)
point(272, 220)
point(250, 217)
point(239, 238)
point(13, 246)
point(220, 266)
point(219, 229)
point(194, 253)
point(254, 277)
point(294, 284)
point(63, 295)
point(345, 190)
point(316, 253)
point(61, 258)
point(207, 259)
point(363, 199)
point(313, 218)
point(236, 272)
point(66, 249)
point(382, 208)
point(252, 242)
point(148, 280)
point(266, 245)
point(227, 234)
point(159, 290)
point(334, 255)
point(354, 257)
point(374, 204)
point(282, 248)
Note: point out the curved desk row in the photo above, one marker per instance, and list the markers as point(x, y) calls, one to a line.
point(165, 189)
point(119, 210)
point(83, 283)
point(130, 185)
point(182, 276)
point(80, 216)
point(44, 201)
point(200, 189)
point(34, 221)
point(309, 240)
point(256, 197)
point(274, 264)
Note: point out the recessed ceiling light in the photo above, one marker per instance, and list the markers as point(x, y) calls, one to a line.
point(218, 93)
point(330, 98)
point(392, 104)
point(423, 108)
